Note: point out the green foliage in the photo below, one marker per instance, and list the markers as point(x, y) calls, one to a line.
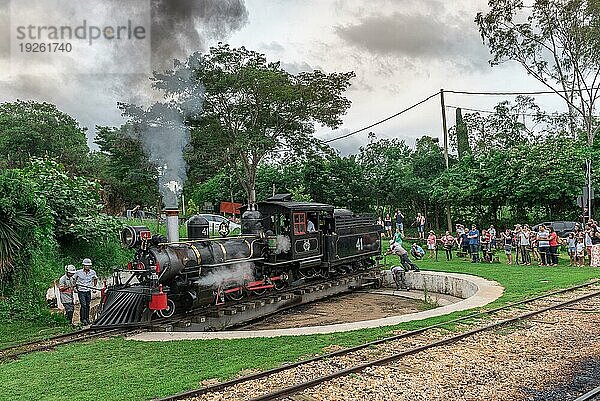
point(128, 177)
point(520, 183)
point(29, 248)
point(462, 135)
point(30, 129)
point(556, 42)
point(131, 371)
point(299, 194)
point(74, 203)
point(105, 255)
point(253, 107)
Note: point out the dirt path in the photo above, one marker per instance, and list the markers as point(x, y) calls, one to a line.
point(344, 308)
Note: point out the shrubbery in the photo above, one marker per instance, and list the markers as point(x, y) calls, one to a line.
point(48, 219)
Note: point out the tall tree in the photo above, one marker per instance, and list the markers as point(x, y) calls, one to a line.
point(462, 135)
point(556, 41)
point(31, 129)
point(128, 176)
point(253, 107)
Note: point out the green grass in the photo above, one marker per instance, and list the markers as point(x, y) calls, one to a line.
point(19, 332)
point(116, 369)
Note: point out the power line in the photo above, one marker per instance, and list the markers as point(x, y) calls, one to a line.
point(517, 93)
point(384, 120)
point(514, 113)
point(457, 92)
point(492, 111)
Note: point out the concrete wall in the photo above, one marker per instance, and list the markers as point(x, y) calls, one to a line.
point(459, 287)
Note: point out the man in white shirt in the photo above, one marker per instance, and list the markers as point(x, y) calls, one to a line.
point(86, 280)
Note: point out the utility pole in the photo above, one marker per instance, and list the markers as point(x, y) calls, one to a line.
point(445, 128)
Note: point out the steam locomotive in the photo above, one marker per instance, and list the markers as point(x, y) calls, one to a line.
point(282, 242)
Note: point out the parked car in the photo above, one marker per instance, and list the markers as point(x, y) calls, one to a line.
point(562, 228)
point(214, 222)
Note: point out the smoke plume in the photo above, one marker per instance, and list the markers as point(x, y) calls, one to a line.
point(236, 274)
point(181, 27)
point(177, 29)
point(162, 128)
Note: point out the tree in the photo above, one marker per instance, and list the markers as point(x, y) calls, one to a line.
point(557, 42)
point(253, 108)
point(128, 176)
point(462, 135)
point(30, 129)
point(505, 127)
point(74, 203)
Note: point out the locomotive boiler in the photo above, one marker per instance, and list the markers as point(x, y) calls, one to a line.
point(281, 243)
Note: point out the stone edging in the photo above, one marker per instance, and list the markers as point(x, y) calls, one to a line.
point(477, 292)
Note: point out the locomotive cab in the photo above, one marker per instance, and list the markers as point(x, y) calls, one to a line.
point(295, 231)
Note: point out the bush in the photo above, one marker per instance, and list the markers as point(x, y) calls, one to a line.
point(30, 249)
point(74, 203)
point(105, 255)
point(49, 219)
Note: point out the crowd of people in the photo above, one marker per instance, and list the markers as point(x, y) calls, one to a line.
point(520, 244)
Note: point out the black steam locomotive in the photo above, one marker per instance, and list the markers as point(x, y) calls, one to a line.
point(281, 243)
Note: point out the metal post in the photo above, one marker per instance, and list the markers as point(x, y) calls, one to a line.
point(589, 188)
point(445, 128)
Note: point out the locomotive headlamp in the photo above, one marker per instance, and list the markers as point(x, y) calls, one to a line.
point(132, 236)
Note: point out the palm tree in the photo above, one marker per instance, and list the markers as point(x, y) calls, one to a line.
point(10, 241)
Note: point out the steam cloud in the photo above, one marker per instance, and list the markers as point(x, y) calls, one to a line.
point(178, 29)
point(283, 244)
point(162, 128)
point(233, 275)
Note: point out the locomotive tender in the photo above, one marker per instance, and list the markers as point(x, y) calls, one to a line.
point(281, 242)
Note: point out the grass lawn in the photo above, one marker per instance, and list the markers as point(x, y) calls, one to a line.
point(16, 333)
point(116, 369)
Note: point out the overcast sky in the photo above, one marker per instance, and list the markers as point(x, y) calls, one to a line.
point(401, 51)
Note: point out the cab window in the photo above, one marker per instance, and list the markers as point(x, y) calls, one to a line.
point(299, 223)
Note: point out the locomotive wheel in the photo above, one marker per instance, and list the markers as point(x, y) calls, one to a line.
point(169, 311)
point(259, 292)
point(281, 284)
point(236, 295)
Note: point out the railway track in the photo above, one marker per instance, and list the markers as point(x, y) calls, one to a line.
point(314, 371)
point(94, 333)
point(49, 343)
point(590, 395)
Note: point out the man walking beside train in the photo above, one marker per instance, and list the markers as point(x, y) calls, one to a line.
point(66, 285)
point(86, 280)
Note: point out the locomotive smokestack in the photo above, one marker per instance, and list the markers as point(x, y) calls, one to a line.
point(172, 224)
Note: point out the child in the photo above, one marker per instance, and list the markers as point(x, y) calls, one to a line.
point(572, 249)
point(431, 240)
point(416, 251)
point(485, 243)
point(507, 239)
point(579, 251)
point(398, 236)
point(448, 242)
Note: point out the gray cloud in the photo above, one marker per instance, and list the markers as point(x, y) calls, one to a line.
point(178, 28)
point(4, 28)
point(181, 27)
point(418, 37)
point(297, 67)
point(273, 46)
